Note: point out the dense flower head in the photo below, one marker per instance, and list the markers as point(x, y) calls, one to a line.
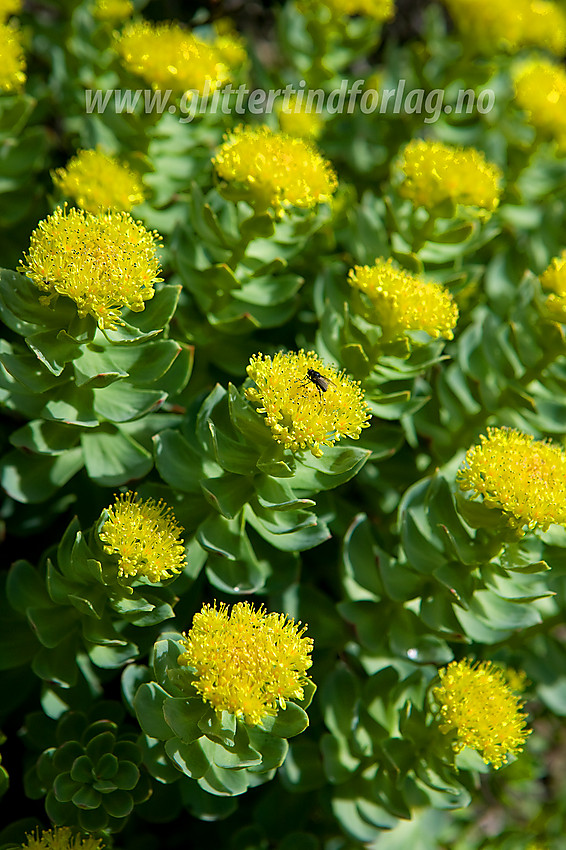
point(296, 119)
point(492, 25)
point(12, 60)
point(477, 704)
point(553, 280)
point(540, 89)
point(102, 262)
point(299, 413)
point(145, 537)
point(379, 10)
point(276, 169)
point(524, 477)
point(170, 57)
point(96, 181)
point(9, 8)
point(60, 838)
point(403, 302)
point(434, 172)
point(246, 661)
point(113, 11)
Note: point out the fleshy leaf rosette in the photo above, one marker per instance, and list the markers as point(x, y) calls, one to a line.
point(220, 708)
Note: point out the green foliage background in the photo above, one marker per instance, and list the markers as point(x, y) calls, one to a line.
point(370, 545)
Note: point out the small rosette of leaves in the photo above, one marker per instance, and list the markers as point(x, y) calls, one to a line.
point(92, 774)
point(90, 396)
point(223, 753)
point(78, 601)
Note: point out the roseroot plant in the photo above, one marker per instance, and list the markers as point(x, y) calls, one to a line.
point(225, 697)
point(58, 838)
point(88, 601)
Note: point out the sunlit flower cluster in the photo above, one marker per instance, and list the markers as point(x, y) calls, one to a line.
point(60, 838)
point(402, 302)
point(298, 412)
point(96, 181)
point(277, 170)
point(524, 477)
point(553, 280)
point(9, 8)
point(433, 172)
point(113, 11)
point(102, 262)
point(170, 57)
point(12, 60)
point(297, 119)
point(379, 10)
point(247, 662)
point(540, 89)
point(477, 704)
point(492, 25)
point(145, 537)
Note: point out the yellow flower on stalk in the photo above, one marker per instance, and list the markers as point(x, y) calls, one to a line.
point(553, 279)
point(9, 8)
point(298, 412)
point(540, 89)
point(523, 477)
point(477, 704)
point(433, 172)
point(113, 11)
point(96, 181)
point(492, 25)
point(145, 537)
point(277, 170)
point(402, 302)
point(246, 661)
point(170, 57)
point(60, 838)
point(298, 120)
point(12, 60)
point(102, 262)
point(379, 10)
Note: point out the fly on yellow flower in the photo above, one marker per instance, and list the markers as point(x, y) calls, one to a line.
point(477, 704)
point(60, 838)
point(145, 538)
point(492, 25)
point(102, 262)
point(275, 169)
point(523, 477)
point(96, 181)
point(246, 661)
point(540, 89)
point(12, 60)
point(170, 57)
point(402, 302)
point(433, 172)
point(299, 410)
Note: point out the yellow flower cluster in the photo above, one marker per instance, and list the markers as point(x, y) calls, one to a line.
point(9, 8)
point(169, 57)
point(379, 10)
point(553, 279)
point(540, 89)
point(102, 262)
point(247, 662)
point(492, 25)
point(524, 477)
point(296, 119)
point(12, 60)
point(277, 170)
point(299, 413)
point(477, 704)
point(60, 838)
point(229, 44)
point(145, 537)
point(434, 172)
point(96, 181)
point(113, 11)
point(402, 302)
